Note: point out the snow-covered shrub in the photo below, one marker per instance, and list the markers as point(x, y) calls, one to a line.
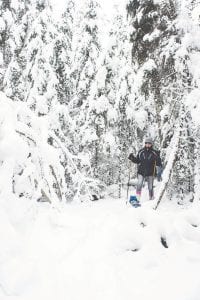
point(35, 163)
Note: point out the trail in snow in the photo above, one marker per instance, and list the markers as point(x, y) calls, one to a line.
point(100, 250)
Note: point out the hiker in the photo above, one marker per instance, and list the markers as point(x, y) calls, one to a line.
point(149, 166)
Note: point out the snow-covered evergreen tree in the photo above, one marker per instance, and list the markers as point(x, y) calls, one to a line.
point(109, 116)
point(162, 61)
point(12, 32)
point(155, 41)
point(86, 49)
point(63, 54)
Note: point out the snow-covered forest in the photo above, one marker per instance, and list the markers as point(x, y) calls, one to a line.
point(80, 91)
point(82, 84)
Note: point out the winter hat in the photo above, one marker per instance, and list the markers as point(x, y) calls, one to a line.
point(149, 140)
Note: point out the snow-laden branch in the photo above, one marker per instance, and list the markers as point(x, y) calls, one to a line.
point(82, 180)
point(169, 166)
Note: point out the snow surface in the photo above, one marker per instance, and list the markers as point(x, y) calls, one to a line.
point(99, 250)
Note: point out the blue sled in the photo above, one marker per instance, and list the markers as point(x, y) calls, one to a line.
point(134, 201)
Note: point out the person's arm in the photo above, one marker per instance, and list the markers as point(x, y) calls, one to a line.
point(134, 159)
point(158, 159)
point(159, 168)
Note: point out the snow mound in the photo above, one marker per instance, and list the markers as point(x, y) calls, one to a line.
point(100, 250)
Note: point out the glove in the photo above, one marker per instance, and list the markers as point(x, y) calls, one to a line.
point(131, 157)
point(159, 171)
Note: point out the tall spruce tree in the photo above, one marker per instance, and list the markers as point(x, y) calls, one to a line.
point(166, 80)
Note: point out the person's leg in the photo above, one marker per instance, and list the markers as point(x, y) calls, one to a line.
point(139, 186)
point(150, 187)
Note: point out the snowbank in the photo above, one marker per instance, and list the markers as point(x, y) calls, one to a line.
point(103, 250)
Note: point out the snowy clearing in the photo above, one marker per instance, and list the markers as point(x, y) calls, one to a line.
point(99, 250)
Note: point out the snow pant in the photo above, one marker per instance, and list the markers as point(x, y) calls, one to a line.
point(140, 184)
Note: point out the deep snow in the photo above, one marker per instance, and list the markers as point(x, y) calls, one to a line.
point(99, 250)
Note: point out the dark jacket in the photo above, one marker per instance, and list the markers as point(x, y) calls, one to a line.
point(147, 160)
